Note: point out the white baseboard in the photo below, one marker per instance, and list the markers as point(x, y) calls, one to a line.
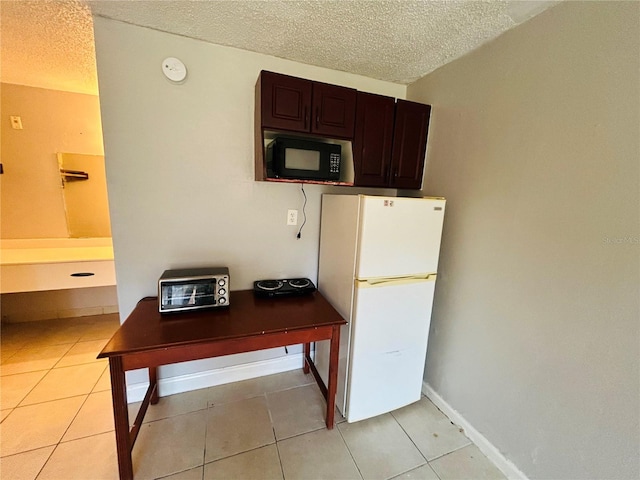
point(505, 465)
point(211, 378)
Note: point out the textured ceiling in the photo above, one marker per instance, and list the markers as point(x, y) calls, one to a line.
point(49, 43)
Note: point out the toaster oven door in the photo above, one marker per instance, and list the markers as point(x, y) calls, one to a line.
point(188, 295)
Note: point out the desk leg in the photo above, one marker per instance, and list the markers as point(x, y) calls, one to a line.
point(153, 382)
point(305, 355)
point(121, 417)
point(333, 376)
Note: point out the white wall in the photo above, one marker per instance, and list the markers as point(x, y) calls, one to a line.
point(180, 167)
point(534, 141)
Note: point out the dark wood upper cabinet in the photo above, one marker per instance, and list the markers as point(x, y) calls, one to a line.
point(390, 142)
point(373, 139)
point(409, 144)
point(286, 102)
point(334, 110)
point(299, 105)
point(389, 137)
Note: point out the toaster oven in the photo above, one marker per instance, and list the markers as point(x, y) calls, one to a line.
point(193, 289)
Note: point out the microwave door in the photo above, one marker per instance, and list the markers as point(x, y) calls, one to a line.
point(299, 159)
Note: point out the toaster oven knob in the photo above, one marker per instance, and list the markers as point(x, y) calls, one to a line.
point(222, 282)
point(222, 300)
point(222, 291)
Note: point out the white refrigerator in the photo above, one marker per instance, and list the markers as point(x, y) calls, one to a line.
point(378, 264)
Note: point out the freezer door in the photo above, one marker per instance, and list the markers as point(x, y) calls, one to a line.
point(399, 236)
point(389, 336)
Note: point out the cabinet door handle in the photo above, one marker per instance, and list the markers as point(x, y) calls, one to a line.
point(306, 117)
point(317, 116)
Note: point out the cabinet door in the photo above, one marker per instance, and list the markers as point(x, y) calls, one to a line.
point(334, 110)
point(372, 140)
point(285, 102)
point(409, 144)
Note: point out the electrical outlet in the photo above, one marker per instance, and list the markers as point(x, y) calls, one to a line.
point(292, 217)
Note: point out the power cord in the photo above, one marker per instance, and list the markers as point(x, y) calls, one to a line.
point(304, 214)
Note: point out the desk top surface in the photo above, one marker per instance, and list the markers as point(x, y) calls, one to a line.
point(146, 329)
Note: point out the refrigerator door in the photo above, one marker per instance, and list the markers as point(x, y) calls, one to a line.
point(399, 236)
point(389, 336)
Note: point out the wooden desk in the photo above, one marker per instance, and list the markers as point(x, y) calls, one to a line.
point(147, 340)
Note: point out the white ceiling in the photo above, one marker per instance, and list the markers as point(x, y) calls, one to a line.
point(49, 43)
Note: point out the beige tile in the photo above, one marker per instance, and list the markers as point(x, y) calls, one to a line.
point(36, 426)
point(254, 387)
point(88, 458)
point(431, 431)
point(65, 382)
point(101, 327)
point(25, 466)
point(297, 410)
point(22, 335)
point(104, 382)
point(4, 414)
point(425, 472)
point(9, 345)
point(237, 427)
point(13, 388)
point(11, 338)
point(34, 359)
point(67, 335)
point(468, 462)
point(83, 352)
point(170, 446)
point(95, 416)
point(191, 474)
point(57, 332)
point(173, 405)
point(319, 454)
point(262, 463)
point(8, 351)
point(380, 447)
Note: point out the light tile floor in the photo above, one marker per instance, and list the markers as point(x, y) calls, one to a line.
point(57, 423)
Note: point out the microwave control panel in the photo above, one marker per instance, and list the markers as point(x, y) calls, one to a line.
point(334, 163)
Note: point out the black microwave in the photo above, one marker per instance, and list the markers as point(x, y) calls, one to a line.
point(297, 158)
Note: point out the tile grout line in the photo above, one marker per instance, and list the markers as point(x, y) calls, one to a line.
point(57, 444)
point(65, 353)
point(27, 394)
point(350, 453)
point(206, 433)
point(452, 451)
point(417, 448)
point(48, 370)
point(279, 456)
point(46, 461)
point(61, 398)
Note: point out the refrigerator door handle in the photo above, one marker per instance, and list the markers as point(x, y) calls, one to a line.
point(380, 282)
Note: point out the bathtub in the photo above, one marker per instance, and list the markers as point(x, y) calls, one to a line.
point(30, 265)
